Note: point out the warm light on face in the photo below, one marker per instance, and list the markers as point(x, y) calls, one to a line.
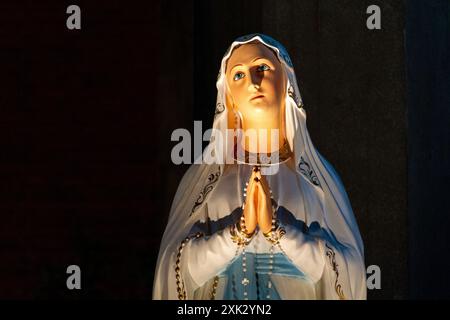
point(256, 81)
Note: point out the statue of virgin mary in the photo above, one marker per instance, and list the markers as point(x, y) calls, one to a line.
point(260, 220)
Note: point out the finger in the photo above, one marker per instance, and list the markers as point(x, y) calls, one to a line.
point(252, 184)
point(264, 185)
point(249, 185)
point(263, 181)
point(251, 198)
point(264, 205)
point(262, 193)
point(250, 214)
point(251, 194)
point(257, 177)
point(255, 194)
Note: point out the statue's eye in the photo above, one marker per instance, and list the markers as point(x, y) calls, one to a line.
point(263, 67)
point(238, 76)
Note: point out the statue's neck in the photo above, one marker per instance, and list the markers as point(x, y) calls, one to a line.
point(262, 139)
point(264, 157)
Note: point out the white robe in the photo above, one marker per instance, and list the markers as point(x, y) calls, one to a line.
point(322, 237)
point(205, 257)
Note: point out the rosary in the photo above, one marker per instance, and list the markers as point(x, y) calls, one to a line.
point(242, 238)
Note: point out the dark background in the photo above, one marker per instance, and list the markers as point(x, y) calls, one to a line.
point(86, 118)
point(428, 61)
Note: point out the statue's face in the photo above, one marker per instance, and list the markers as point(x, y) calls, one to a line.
point(256, 81)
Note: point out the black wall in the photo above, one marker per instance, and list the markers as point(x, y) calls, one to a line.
point(80, 181)
point(428, 52)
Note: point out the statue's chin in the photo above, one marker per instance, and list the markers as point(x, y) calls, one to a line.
point(258, 101)
point(260, 109)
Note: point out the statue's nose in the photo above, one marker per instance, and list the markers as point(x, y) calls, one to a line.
point(253, 87)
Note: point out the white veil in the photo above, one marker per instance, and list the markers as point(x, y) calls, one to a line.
point(335, 221)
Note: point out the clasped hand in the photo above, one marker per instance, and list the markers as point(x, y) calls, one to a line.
point(258, 205)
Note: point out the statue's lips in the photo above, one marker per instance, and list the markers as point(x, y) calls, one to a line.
point(259, 96)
